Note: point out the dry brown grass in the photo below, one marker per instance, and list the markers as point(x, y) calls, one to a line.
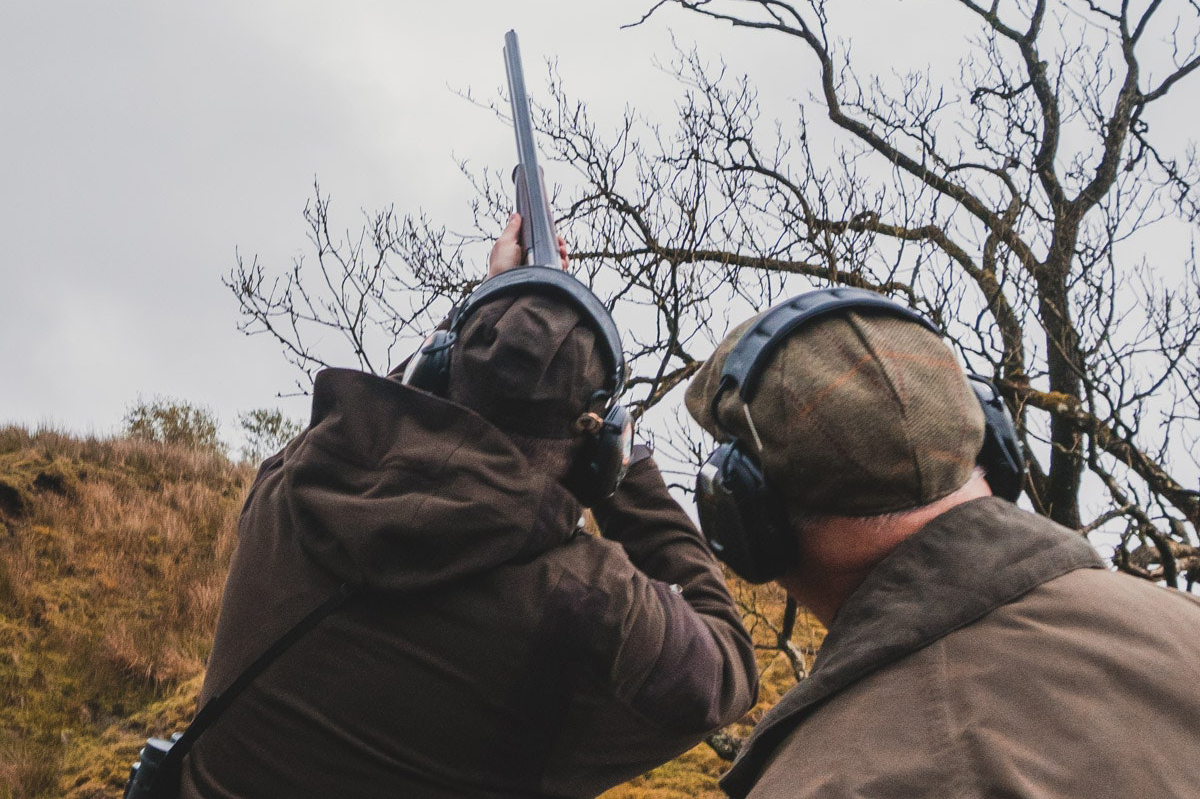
point(113, 556)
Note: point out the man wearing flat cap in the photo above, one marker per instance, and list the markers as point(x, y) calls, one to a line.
point(973, 649)
point(489, 646)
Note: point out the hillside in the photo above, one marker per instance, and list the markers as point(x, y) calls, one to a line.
point(112, 558)
point(112, 555)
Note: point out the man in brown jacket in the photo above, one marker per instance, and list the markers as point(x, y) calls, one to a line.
point(973, 649)
point(490, 647)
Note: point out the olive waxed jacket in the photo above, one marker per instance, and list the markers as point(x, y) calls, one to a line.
point(990, 655)
point(491, 648)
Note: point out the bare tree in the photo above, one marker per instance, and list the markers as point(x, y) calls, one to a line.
point(366, 289)
point(1012, 202)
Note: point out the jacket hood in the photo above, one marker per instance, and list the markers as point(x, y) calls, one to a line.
point(395, 489)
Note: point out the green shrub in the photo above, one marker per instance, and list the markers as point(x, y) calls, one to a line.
point(168, 421)
point(267, 431)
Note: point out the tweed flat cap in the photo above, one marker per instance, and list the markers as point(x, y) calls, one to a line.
point(857, 413)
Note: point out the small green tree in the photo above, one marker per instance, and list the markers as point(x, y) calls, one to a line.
point(170, 421)
point(267, 430)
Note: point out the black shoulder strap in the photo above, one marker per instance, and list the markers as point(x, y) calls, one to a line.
point(214, 707)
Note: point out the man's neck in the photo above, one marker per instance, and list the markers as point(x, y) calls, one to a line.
point(838, 552)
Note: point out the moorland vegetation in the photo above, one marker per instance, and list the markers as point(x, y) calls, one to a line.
point(113, 555)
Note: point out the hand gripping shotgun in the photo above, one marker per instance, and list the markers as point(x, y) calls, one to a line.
point(538, 235)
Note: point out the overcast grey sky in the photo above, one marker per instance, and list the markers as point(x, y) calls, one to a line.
point(142, 142)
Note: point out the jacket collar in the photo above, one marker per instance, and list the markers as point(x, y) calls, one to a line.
point(961, 566)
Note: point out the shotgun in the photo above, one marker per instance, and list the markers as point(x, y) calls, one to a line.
point(538, 236)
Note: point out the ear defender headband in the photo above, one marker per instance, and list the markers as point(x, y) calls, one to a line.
point(608, 435)
point(741, 517)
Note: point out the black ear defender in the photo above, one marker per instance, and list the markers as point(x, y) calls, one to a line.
point(742, 518)
point(429, 367)
point(1000, 458)
point(603, 457)
point(607, 427)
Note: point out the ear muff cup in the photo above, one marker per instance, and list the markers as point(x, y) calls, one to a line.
point(1000, 458)
point(429, 367)
point(742, 519)
point(603, 458)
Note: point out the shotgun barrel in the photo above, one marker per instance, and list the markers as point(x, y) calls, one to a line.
point(538, 235)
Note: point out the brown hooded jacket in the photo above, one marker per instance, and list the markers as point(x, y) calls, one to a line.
point(491, 648)
point(990, 655)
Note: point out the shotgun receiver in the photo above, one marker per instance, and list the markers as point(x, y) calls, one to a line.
point(538, 235)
